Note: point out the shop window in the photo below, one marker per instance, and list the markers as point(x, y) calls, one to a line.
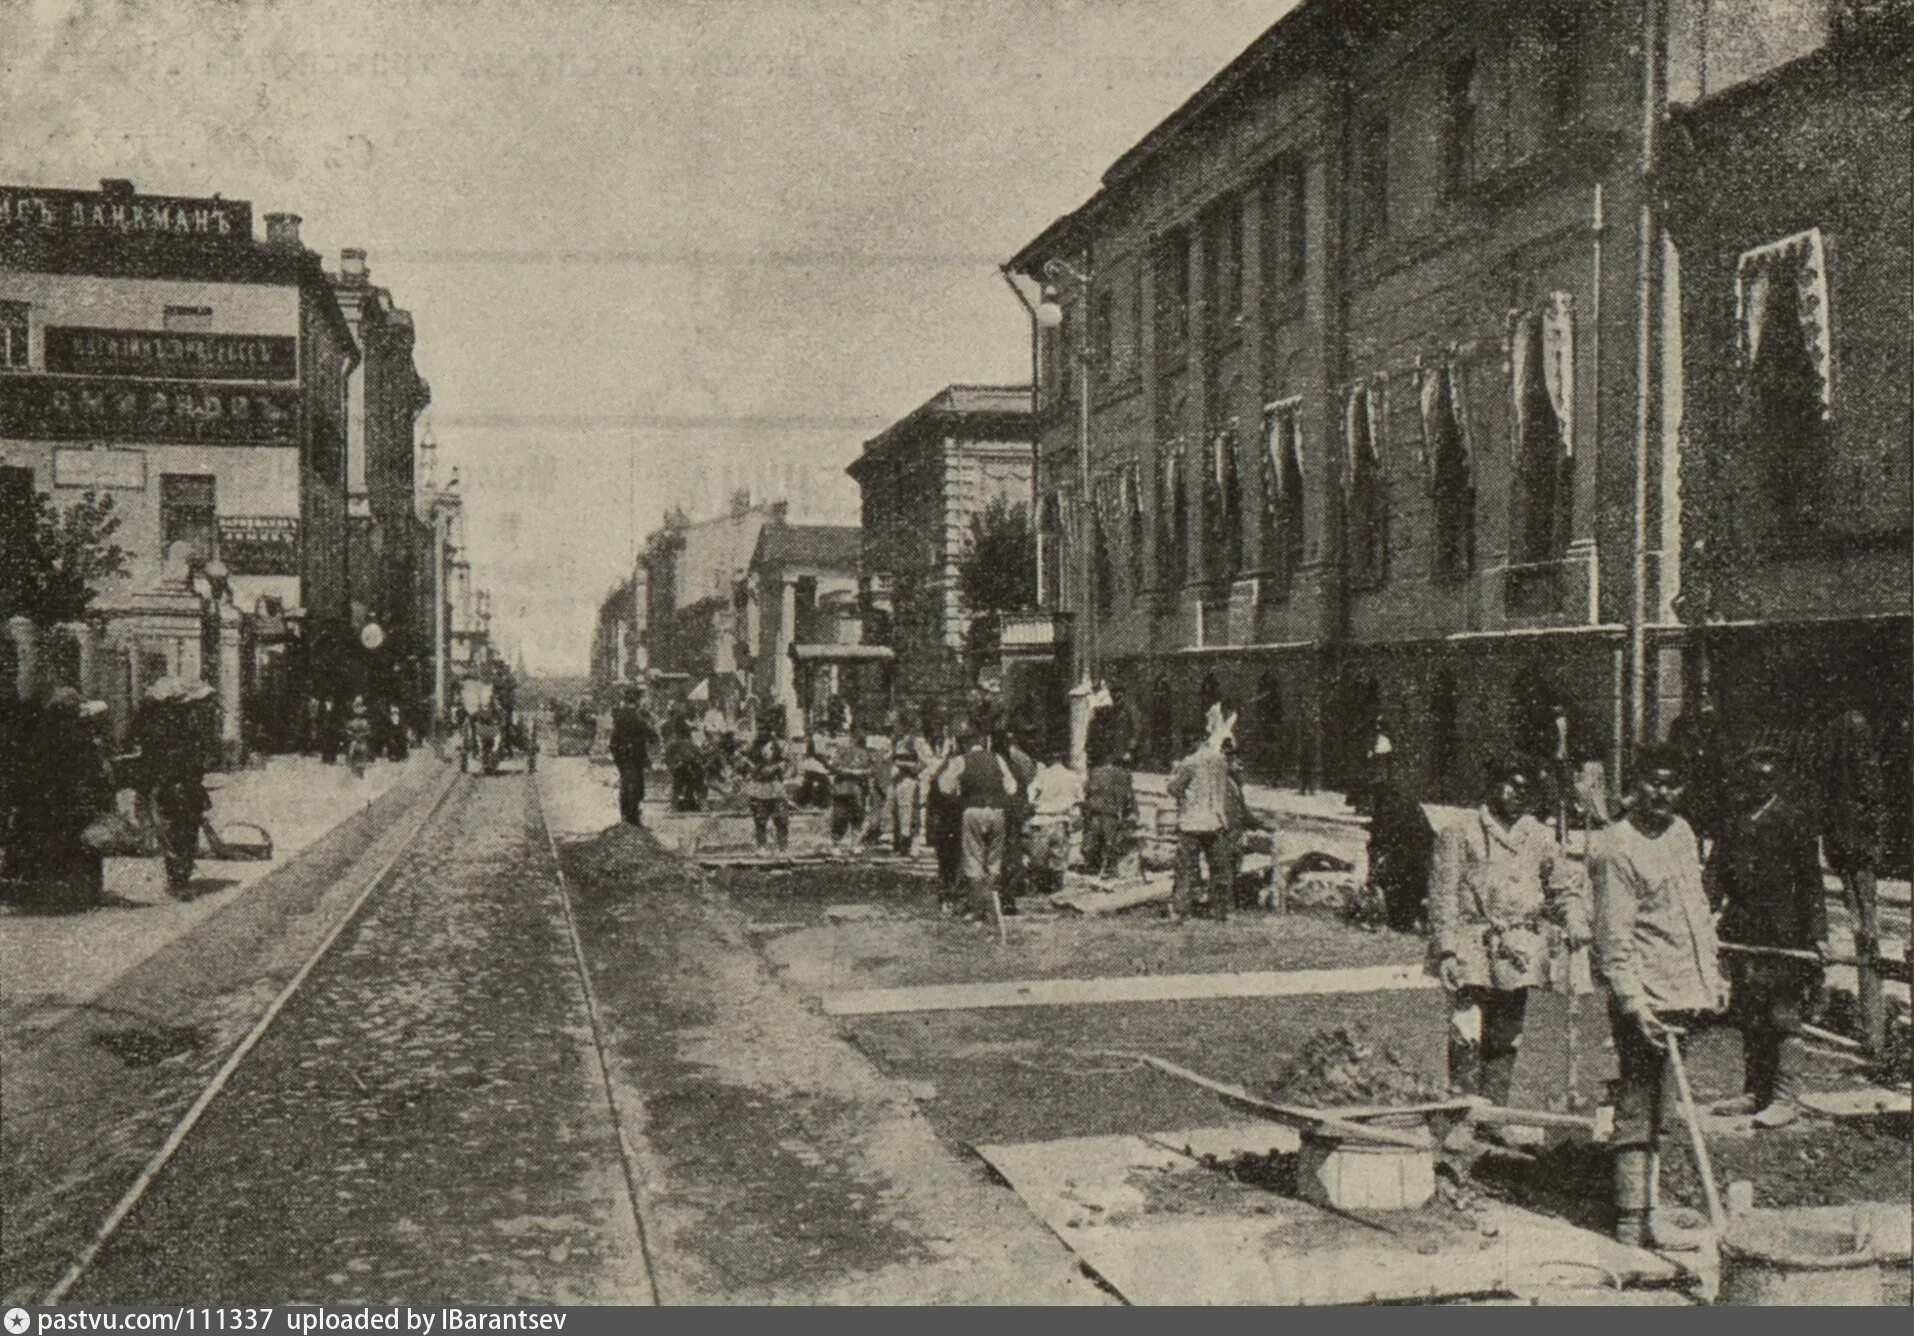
point(1372, 179)
point(14, 329)
point(189, 520)
point(1367, 536)
point(1451, 481)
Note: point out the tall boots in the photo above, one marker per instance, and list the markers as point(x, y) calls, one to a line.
point(1784, 1103)
point(1634, 1195)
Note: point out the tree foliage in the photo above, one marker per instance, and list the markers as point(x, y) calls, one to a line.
point(998, 571)
point(53, 563)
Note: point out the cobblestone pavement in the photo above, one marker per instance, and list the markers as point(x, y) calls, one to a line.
point(426, 1120)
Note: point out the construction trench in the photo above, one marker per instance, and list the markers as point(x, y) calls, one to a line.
point(1256, 1111)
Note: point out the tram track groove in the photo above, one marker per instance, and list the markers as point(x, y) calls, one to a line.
point(222, 1076)
point(635, 1191)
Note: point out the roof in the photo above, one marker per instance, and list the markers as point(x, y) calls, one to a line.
point(1276, 45)
point(1001, 411)
point(827, 546)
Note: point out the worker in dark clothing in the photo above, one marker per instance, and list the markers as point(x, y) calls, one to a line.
point(1765, 879)
point(1851, 820)
point(1401, 844)
point(631, 737)
point(984, 786)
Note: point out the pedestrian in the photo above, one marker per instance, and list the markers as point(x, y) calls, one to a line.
point(359, 737)
point(1765, 878)
point(1200, 786)
point(329, 731)
point(1656, 953)
point(396, 742)
point(632, 734)
point(944, 818)
point(1401, 847)
point(1109, 814)
point(1055, 796)
point(1020, 755)
point(877, 807)
point(1498, 883)
point(766, 774)
point(176, 771)
point(983, 785)
point(910, 757)
point(68, 786)
point(1851, 821)
point(851, 776)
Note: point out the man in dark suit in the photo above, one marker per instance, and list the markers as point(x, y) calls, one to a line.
point(631, 737)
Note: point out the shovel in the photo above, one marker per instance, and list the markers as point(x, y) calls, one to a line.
point(1717, 1216)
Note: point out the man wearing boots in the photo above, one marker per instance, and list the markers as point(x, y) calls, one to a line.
point(1497, 884)
point(1765, 876)
point(1655, 951)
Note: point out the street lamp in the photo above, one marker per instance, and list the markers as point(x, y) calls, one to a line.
point(1049, 314)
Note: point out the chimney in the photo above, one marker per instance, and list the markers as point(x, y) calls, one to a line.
point(282, 231)
point(117, 186)
point(352, 267)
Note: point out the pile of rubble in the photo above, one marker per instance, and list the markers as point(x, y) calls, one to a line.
point(1338, 1067)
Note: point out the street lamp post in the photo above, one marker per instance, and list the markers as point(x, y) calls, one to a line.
point(1050, 314)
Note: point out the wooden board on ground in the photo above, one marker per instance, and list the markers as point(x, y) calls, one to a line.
point(1125, 988)
point(1161, 1227)
point(1092, 897)
point(1867, 1102)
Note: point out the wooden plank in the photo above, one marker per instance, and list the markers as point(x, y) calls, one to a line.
point(1125, 988)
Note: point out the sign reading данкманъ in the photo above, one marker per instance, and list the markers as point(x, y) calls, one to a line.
point(25, 209)
point(186, 412)
point(164, 353)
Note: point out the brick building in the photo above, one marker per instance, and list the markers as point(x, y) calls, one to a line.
point(389, 549)
point(1788, 196)
point(922, 480)
point(1374, 331)
point(157, 353)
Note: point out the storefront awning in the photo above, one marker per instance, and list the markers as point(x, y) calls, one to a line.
point(843, 653)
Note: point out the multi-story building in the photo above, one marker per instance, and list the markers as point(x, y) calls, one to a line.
point(1383, 402)
point(800, 630)
point(1788, 194)
point(923, 479)
point(389, 549)
point(157, 354)
point(688, 575)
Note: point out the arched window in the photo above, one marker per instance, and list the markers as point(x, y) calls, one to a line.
point(1544, 482)
point(1223, 505)
point(1782, 295)
point(1451, 479)
point(1367, 538)
point(1102, 569)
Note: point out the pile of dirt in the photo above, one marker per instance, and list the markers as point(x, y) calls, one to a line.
point(1318, 880)
point(1341, 1066)
point(617, 856)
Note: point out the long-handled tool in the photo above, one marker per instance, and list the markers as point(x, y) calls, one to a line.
point(1717, 1216)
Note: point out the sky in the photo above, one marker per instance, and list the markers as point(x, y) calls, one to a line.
point(656, 250)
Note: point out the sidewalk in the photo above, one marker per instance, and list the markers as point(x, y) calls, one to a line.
point(59, 962)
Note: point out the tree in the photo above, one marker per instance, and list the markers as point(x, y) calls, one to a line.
point(55, 562)
point(998, 571)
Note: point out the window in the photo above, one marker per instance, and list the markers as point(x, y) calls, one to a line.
point(1103, 570)
point(1372, 179)
point(1050, 554)
point(1171, 277)
point(1368, 516)
point(1285, 243)
point(1541, 361)
point(1103, 346)
point(1782, 301)
point(1223, 505)
point(1561, 40)
point(1132, 498)
point(1172, 518)
point(1223, 262)
point(1459, 127)
point(1283, 535)
point(1451, 482)
point(188, 319)
point(189, 519)
point(13, 335)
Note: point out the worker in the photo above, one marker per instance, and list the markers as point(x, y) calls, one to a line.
point(1200, 785)
point(1655, 951)
point(631, 737)
point(766, 773)
point(1497, 884)
point(984, 785)
point(1055, 796)
point(1765, 878)
point(1109, 812)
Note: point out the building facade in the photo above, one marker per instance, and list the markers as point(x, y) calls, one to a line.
point(389, 551)
point(799, 627)
point(922, 480)
point(1384, 423)
point(158, 354)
